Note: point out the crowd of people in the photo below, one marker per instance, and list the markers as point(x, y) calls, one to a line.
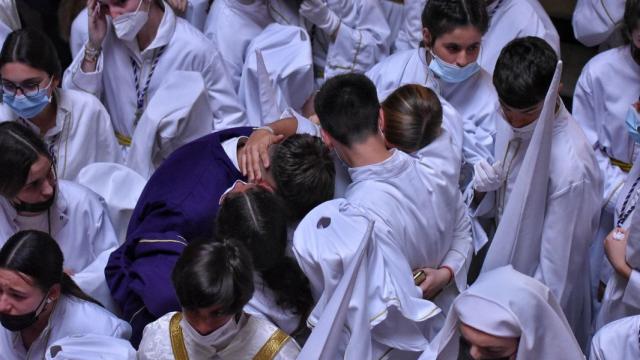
point(319, 179)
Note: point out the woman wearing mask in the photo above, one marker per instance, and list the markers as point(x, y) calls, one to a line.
point(74, 125)
point(40, 304)
point(452, 36)
point(257, 218)
point(214, 281)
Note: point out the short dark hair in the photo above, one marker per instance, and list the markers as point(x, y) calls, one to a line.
point(348, 108)
point(412, 117)
point(37, 254)
point(211, 273)
point(631, 18)
point(444, 16)
point(304, 173)
point(524, 71)
point(31, 47)
point(19, 149)
point(256, 218)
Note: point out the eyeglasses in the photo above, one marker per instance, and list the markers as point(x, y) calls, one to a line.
point(28, 88)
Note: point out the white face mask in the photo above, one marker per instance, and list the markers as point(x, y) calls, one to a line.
point(218, 339)
point(128, 25)
point(525, 132)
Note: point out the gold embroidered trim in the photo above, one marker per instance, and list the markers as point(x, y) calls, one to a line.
point(270, 349)
point(123, 139)
point(177, 340)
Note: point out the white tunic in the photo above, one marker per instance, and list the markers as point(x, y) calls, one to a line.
point(514, 19)
point(571, 212)
point(619, 340)
point(80, 225)
point(185, 48)
point(362, 39)
point(410, 33)
point(594, 21)
point(254, 333)
point(82, 134)
point(79, 32)
point(231, 25)
point(71, 316)
point(504, 302)
point(263, 304)
point(608, 85)
point(421, 212)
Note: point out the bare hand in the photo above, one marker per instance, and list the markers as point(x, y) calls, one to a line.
point(435, 281)
point(616, 250)
point(179, 6)
point(97, 23)
point(255, 153)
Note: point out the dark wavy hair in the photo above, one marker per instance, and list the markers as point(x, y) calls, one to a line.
point(443, 16)
point(257, 218)
point(31, 47)
point(37, 254)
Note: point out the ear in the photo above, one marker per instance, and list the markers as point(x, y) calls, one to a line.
point(55, 292)
point(426, 37)
point(326, 138)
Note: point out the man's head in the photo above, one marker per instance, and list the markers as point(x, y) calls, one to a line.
point(27, 178)
point(522, 77)
point(348, 108)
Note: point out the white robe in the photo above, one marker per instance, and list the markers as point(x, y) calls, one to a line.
point(407, 198)
point(185, 48)
point(71, 316)
point(505, 303)
point(594, 21)
point(362, 39)
point(81, 227)
point(82, 134)
point(410, 33)
point(263, 304)
point(514, 19)
point(79, 32)
point(231, 25)
point(571, 212)
point(254, 333)
point(617, 340)
point(88, 346)
point(608, 85)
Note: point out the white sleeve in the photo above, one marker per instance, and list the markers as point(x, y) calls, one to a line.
point(632, 291)
point(459, 256)
point(410, 33)
point(76, 79)
point(359, 45)
point(595, 20)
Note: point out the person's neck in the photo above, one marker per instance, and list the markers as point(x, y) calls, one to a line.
point(46, 119)
point(31, 334)
point(368, 152)
point(635, 53)
point(150, 29)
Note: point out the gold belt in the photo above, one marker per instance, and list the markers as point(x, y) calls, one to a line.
point(123, 139)
point(626, 167)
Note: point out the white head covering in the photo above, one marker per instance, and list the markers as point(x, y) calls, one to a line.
point(277, 73)
point(517, 239)
point(506, 303)
point(325, 246)
point(90, 346)
point(177, 113)
point(119, 186)
point(9, 14)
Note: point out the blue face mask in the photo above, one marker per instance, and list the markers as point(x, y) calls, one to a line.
point(28, 107)
point(632, 122)
point(452, 73)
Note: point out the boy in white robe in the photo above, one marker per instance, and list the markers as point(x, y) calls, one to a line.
point(619, 340)
point(567, 206)
point(124, 61)
point(400, 193)
point(214, 281)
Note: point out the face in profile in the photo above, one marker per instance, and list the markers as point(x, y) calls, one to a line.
point(479, 345)
point(40, 185)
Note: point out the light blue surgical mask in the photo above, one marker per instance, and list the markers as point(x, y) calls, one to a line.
point(452, 73)
point(632, 121)
point(28, 107)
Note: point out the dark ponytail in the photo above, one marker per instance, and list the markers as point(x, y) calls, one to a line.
point(23, 252)
point(257, 218)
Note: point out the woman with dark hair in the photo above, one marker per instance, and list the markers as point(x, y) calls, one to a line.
point(214, 281)
point(448, 63)
point(74, 125)
point(258, 219)
point(32, 198)
point(40, 304)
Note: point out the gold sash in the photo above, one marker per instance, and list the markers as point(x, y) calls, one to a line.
point(626, 167)
point(123, 139)
point(268, 351)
